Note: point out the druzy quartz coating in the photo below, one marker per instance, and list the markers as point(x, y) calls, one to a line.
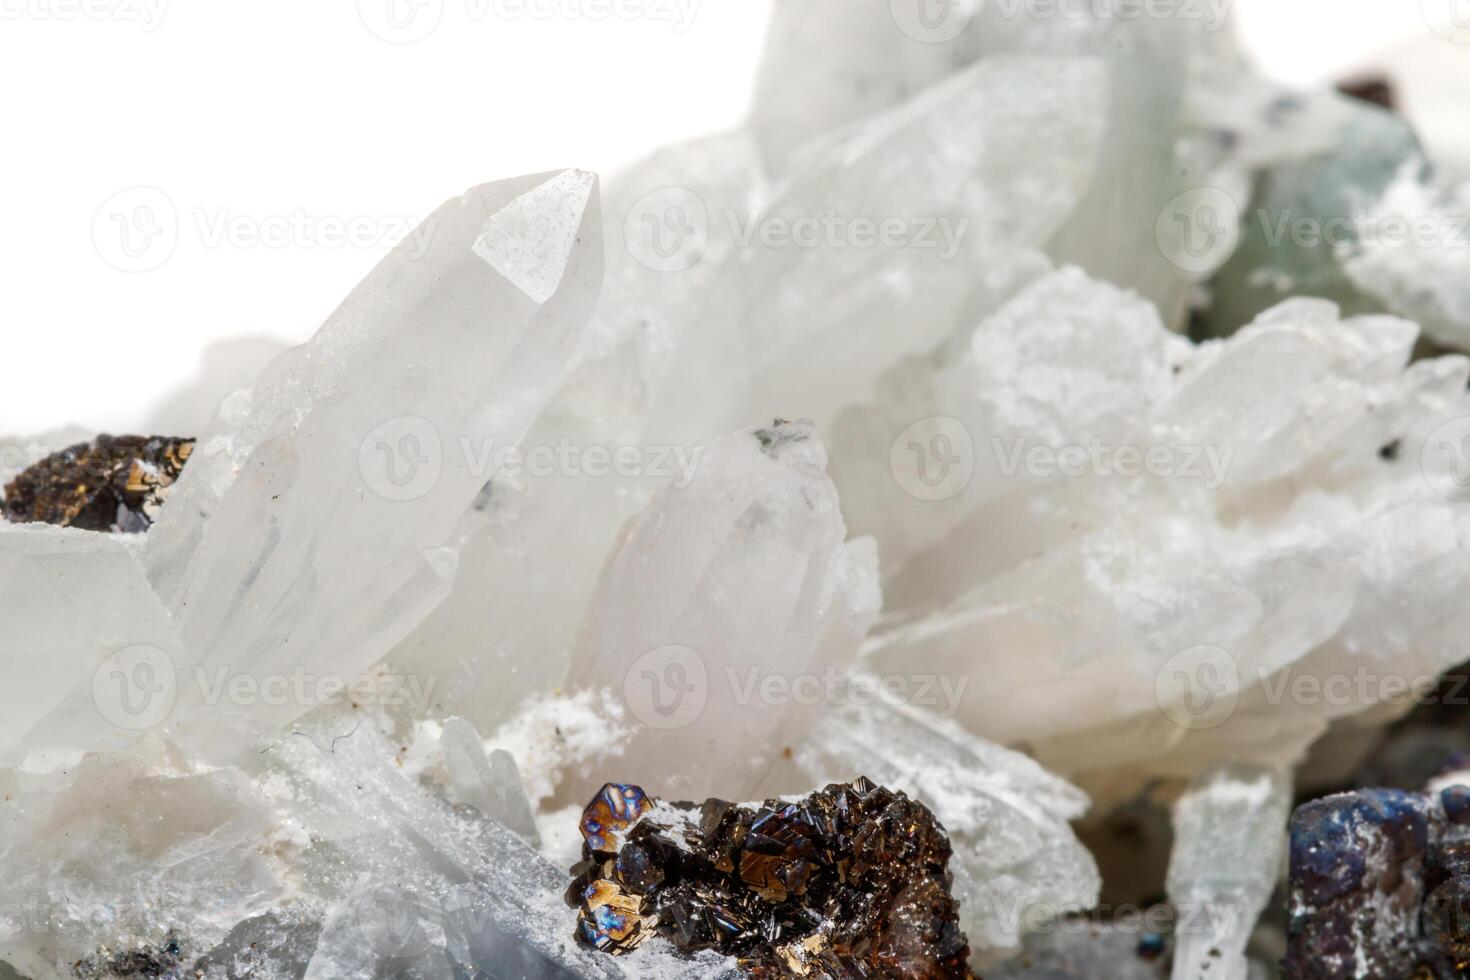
point(114, 483)
point(851, 881)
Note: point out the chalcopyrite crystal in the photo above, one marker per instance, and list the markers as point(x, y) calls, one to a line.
point(849, 882)
point(115, 483)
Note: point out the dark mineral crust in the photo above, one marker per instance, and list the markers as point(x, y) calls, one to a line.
point(116, 483)
point(1380, 887)
point(850, 882)
point(1372, 89)
point(146, 962)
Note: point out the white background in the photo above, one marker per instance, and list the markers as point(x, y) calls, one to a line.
point(270, 116)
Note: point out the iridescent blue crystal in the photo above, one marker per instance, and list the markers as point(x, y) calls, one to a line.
point(615, 808)
point(1456, 802)
point(1358, 884)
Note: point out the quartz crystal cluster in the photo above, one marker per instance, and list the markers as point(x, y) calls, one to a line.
point(962, 421)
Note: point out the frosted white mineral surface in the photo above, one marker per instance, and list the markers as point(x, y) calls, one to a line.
point(863, 439)
point(1227, 860)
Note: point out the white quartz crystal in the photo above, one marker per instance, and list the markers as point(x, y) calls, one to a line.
point(1161, 603)
point(721, 600)
point(310, 530)
point(96, 648)
point(1417, 257)
point(940, 168)
point(1228, 847)
point(489, 782)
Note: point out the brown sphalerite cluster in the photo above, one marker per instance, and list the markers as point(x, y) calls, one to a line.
point(851, 881)
point(114, 483)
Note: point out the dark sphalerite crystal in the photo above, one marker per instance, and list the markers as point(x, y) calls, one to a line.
point(115, 483)
point(1380, 887)
point(851, 881)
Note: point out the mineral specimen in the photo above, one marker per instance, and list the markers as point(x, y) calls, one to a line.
point(353, 445)
point(851, 881)
point(163, 960)
point(115, 483)
point(1087, 560)
point(761, 515)
point(1360, 867)
point(1054, 395)
point(1226, 862)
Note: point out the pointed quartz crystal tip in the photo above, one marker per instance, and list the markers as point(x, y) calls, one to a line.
point(316, 525)
point(113, 483)
point(491, 782)
point(851, 881)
